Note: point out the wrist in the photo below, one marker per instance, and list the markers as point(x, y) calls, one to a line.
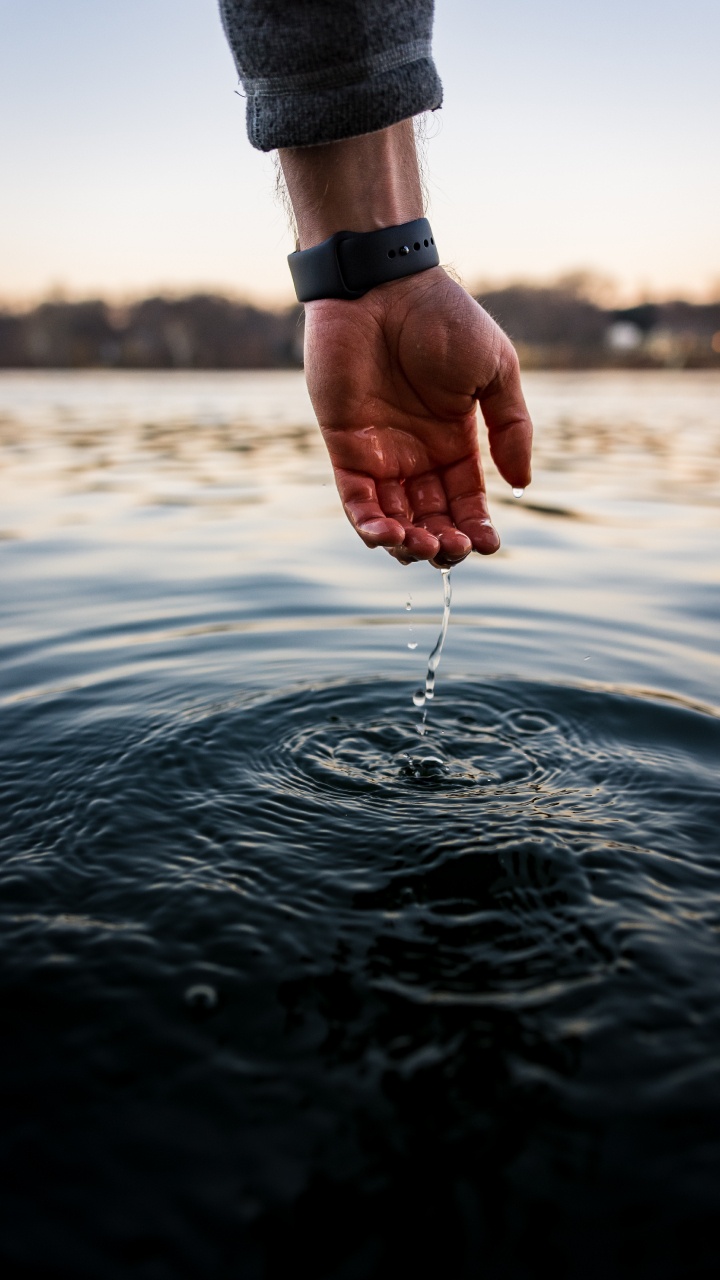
point(357, 184)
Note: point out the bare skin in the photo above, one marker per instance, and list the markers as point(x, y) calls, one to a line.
point(396, 376)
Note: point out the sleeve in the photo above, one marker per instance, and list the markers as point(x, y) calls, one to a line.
point(318, 70)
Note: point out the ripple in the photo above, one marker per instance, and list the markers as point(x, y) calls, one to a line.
point(341, 773)
point(289, 926)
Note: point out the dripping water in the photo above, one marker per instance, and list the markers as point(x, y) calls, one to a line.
point(411, 644)
point(423, 696)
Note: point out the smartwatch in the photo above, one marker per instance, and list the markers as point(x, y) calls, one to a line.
point(350, 263)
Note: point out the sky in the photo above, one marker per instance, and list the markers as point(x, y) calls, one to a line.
point(574, 136)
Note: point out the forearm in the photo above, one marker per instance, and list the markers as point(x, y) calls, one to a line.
point(356, 184)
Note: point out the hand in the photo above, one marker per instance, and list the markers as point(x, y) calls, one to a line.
point(395, 378)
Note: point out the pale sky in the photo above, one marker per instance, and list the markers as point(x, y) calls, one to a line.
point(574, 136)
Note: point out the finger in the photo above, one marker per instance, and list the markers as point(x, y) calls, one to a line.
point(359, 498)
point(429, 503)
point(465, 488)
point(418, 543)
point(508, 421)
point(400, 556)
point(454, 545)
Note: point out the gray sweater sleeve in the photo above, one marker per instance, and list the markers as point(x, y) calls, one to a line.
point(318, 70)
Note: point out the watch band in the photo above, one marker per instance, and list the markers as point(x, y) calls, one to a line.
point(350, 263)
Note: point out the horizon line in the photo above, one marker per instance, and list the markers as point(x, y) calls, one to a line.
point(600, 289)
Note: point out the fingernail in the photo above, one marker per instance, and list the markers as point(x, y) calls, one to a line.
point(373, 526)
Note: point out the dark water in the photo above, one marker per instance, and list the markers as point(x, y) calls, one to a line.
point(287, 985)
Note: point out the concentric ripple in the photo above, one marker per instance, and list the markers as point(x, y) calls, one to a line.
point(329, 960)
point(342, 777)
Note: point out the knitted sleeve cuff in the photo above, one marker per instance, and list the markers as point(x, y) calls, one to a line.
point(316, 71)
point(300, 115)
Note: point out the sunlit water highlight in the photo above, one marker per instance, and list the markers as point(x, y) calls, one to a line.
point(283, 979)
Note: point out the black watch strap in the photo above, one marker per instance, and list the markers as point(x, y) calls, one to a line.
point(351, 263)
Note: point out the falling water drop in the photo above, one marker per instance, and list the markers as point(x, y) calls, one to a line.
point(518, 493)
point(422, 697)
point(411, 644)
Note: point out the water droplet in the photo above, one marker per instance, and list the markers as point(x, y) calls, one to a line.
point(518, 493)
point(412, 644)
point(419, 698)
point(408, 605)
point(201, 997)
point(429, 767)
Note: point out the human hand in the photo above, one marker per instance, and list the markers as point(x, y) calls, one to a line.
point(395, 378)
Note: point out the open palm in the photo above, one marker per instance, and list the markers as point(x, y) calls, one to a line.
point(395, 379)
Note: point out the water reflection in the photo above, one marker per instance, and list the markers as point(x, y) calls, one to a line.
point(214, 441)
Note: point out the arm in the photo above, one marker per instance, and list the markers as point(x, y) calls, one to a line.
point(396, 376)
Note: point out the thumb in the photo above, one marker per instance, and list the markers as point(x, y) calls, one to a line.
point(507, 420)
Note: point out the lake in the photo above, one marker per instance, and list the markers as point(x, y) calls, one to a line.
point(284, 977)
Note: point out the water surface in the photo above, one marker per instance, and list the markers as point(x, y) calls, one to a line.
point(283, 977)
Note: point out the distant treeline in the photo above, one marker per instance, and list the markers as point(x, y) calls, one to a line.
point(557, 327)
point(553, 326)
point(199, 332)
